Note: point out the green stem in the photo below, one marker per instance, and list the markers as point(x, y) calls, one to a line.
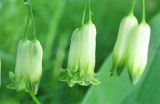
point(90, 12)
point(25, 32)
point(132, 7)
point(33, 21)
point(143, 11)
point(28, 4)
point(84, 13)
point(34, 98)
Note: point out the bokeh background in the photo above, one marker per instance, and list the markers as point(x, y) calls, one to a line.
point(55, 21)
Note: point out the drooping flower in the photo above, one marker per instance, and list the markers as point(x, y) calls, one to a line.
point(28, 68)
point(81, 58)
point(119, 56)
point(138, 51)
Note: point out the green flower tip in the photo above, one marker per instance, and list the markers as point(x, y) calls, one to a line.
point(28, 69)
point(135, 77)
point(119, 55)
point(81, 58)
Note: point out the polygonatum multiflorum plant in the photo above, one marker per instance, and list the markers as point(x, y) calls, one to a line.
point(130, 50)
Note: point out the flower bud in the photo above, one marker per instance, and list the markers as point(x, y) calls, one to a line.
point(138, 51)
point(81, 58)
point(28, 69)
point(120, 50)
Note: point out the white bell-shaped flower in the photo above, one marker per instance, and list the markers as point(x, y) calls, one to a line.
point(28, 68)
point(138, 51)
point(81, 58)
point(119, 55)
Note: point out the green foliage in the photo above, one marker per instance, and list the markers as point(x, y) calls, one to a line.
point(55, 21)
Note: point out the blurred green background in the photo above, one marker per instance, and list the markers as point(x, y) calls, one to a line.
point(55, 22)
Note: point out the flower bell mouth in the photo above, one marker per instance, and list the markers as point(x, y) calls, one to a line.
point(81, 58)
point(138, 51)
point(28, 69)
point(119, 56)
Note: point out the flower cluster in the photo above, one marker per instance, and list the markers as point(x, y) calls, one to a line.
point(81, 58)
point(120, 50)
point(131, 48)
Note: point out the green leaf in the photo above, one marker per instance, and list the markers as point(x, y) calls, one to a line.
point(149, 91)
point(119, 90)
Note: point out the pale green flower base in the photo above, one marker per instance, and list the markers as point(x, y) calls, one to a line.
point(20, 84)
point(73, 78)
